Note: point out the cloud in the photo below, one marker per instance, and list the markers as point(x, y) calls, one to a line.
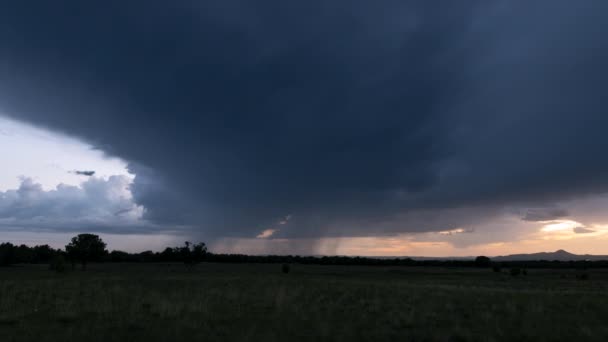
point(582, 230)
point(91, 206)
point(456, 231)
point(374, 120)
point(544, 214)
point(560, 226)
point(84, 173)
point(285, 220)
point(266, 234)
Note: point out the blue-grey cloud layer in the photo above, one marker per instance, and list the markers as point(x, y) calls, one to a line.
point(98, 204)
point(234, 114)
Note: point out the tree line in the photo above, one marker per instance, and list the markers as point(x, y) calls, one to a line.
point(86, 248)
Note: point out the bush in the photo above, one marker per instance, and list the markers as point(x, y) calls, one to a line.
point(285, 268)
point(483, 261)
point(58, 264)
point(496, 268)
point(582, 276)
point(515, 271)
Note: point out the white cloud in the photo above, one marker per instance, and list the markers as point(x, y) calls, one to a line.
point(266, 233)
point(456, 231)
point(560, 225)
point(49, 158)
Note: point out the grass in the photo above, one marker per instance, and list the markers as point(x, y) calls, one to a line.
point(218, 302)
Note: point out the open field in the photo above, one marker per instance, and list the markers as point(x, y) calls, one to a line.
point(216, 302)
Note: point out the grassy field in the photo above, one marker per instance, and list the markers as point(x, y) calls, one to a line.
point(217, 302)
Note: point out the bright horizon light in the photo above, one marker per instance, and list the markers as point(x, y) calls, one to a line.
point(560, 225)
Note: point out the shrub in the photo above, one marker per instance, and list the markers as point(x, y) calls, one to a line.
point(483, 261)
point(496, 268)
point(515, 271)
point(285, 268)
point(582, 276)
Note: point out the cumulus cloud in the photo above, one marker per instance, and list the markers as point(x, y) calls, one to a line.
point(93, 205)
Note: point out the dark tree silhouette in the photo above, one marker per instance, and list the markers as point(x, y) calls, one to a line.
point(169, 254)
point(483, 261)
point(199, 251)
point(43, 253)
point(7, 254)
point(85, 248)
point(192, 254)
point(12, 254)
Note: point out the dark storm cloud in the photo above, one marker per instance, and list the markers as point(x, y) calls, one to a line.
point(235, 114)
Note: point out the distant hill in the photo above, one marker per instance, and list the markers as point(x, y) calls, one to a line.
point(560, 255)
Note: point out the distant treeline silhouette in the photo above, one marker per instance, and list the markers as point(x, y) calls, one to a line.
point(89, 248)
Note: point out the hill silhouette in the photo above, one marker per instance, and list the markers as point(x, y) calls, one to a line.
point(559, 255)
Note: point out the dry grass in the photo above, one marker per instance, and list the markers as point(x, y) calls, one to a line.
point(312, 303)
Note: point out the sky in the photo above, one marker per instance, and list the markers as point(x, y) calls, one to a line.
point(343, 127)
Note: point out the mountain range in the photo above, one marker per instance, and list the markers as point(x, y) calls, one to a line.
point(560, 255)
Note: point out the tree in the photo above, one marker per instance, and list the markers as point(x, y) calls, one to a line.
point(85, 248)
point(169, 254)
point(7, 254)
point(193, 254)
point(199, 251)
point(43, 253)
point(483, 261)
point(24, 254)
point(120, 256)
